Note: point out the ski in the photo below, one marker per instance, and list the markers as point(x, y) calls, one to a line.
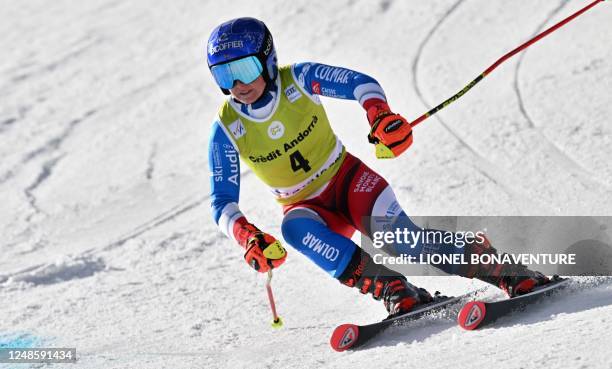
point(477, 314)
point(351, 336)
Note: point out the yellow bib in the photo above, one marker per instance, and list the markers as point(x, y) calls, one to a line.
point(294, 150)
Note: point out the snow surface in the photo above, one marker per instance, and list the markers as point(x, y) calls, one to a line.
point(107, 240)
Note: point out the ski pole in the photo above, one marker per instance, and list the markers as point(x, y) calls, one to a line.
point(277, 322)
point(522, 47)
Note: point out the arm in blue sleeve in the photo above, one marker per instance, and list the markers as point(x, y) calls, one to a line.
point(224, 167)
point(342, 83)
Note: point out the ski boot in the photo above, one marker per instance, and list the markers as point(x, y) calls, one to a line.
point(514, 279)
point(384, 284)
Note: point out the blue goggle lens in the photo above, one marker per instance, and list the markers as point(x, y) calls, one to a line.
point(245, 70)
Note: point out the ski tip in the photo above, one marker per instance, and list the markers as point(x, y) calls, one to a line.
point(471, 315)
point(344, 337)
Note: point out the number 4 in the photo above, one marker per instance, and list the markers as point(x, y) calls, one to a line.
point(298, 162)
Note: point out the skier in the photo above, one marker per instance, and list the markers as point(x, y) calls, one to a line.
point(275, 122)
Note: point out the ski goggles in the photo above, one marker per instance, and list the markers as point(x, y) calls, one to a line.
point(245, 70)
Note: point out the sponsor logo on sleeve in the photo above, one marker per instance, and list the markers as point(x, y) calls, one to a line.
point(302, 76)
point(232, 157)
point(292, 93)
point(316, 88)
point(230, 163)
point(237, 128)
point(333, 74)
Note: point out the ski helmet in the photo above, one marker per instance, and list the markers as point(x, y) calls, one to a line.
point(239, 38)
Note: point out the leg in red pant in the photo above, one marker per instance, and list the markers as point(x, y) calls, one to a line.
point(321, 228)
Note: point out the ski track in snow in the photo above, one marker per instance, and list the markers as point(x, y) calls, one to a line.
point(162, 218)
point(151, 163)
point(483, 165)
point(560, 156)
point(60, 271)
point(44, 174)
point(81, 47)
point(159, 220)
point(52, 145)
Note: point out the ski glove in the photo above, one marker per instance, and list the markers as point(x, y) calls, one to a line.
point(263, 251)
point(391, 133)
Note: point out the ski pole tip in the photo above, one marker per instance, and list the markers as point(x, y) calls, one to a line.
point(277, 323)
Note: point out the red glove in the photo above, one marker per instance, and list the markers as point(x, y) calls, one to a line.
point(263, 251)
point(391, 133)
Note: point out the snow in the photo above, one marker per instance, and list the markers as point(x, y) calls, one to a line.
point(108, 244)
